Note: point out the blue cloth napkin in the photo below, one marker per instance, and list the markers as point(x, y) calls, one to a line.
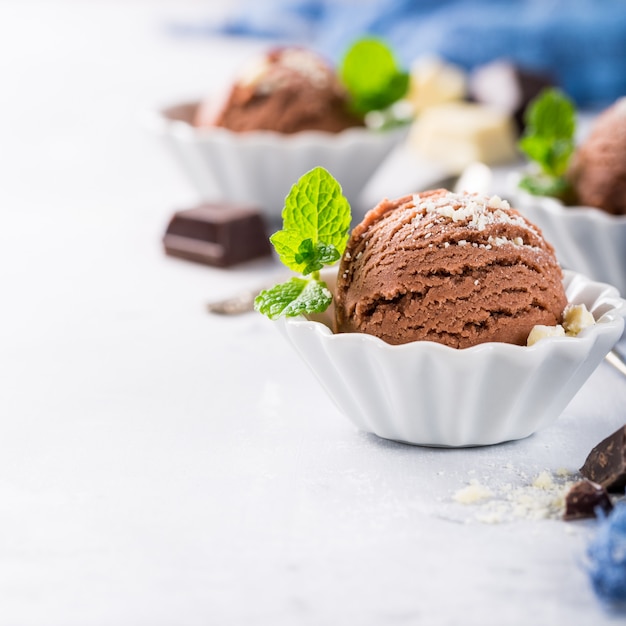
point(582, 43)
point(607, 558)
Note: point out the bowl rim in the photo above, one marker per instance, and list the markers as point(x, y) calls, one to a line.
point(160, 120)
point(611, 318)
point(555, 205)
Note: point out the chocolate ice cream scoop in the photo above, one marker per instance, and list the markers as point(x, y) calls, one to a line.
point(598, 170)
point(288, 90)
point(457, 269)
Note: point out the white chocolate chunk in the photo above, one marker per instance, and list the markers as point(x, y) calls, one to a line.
point(433, 82)
point(540, 331)
point(576, 317)
point(457, 134)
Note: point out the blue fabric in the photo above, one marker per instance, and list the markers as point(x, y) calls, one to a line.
point(607, 558)
point(582, 43)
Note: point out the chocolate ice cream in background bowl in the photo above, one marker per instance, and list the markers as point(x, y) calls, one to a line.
point(431, 307)
point(584, 213)
point(285, 113)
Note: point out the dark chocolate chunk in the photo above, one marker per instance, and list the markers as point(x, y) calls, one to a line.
point(584, 499)
point(606, 463)
point(507, 87)
point(217, 234)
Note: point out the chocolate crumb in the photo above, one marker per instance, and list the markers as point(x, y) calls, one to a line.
point(584, 499)
point(606, 463)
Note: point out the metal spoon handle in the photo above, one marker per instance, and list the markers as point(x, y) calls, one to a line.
point(236, 305)
point(616, 361)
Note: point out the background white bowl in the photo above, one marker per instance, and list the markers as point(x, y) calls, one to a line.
point(586, 240)
point(430, 394)
point(260, 167)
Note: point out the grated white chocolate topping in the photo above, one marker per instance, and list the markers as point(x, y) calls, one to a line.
point(308, 65)
point(541, 498)
point(473, 210)
point(459, 269)
point(266, 77)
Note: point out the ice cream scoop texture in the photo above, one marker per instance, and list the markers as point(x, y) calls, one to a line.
point(458, 269)
point(288, 90)
point(598, 171)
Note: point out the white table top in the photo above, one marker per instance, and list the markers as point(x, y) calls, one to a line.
point(162, 466)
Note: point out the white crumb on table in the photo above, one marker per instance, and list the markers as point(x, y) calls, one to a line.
point(472, 493)
point(541, 498)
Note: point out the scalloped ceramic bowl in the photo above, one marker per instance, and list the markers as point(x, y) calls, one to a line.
point(260, 167)
point(429, 394)
point(586, 240)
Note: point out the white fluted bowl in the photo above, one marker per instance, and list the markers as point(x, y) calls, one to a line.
point(429, 394)
point(586, 240)
point(259, 167)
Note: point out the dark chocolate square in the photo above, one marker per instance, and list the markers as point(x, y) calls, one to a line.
point(217, 234)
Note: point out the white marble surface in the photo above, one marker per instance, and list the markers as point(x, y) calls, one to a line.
point(161, 466)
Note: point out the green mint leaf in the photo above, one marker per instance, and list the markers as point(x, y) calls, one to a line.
point(371, 75)
point(544, 185)
point(552, 155)
point(295, 297)
point(552, 114)
point(549, 135)
point(315, 209)
point(316, 221)
point(315, 256)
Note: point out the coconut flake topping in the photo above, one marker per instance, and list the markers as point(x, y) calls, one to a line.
point(474, 210)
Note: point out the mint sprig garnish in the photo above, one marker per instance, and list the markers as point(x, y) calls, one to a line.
point(372, 76)
point(315, 209)
point(549, 142)
point(295, 297)
point(316, 222)
point(315, 256)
